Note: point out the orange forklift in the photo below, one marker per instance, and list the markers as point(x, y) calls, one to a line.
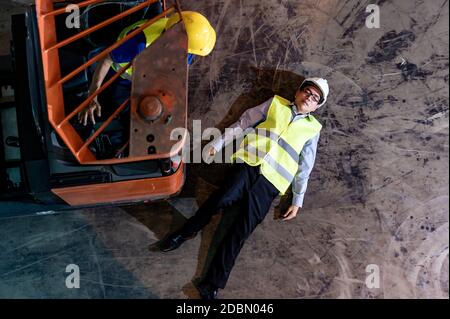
point(50, 68)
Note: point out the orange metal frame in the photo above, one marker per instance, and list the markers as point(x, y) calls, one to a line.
point(58, 118)
point(116, 192)
point(125, 191)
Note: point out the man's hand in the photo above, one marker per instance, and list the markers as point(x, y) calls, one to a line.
point(211, 154)
point(88, 112)
point(291, 212)
point(97, 79)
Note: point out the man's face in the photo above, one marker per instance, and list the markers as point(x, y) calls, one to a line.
point(307, 99)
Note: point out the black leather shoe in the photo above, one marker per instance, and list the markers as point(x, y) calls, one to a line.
point(171, 242)
point(207, 291)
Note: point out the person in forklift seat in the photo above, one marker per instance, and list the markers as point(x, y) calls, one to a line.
point(201, 41)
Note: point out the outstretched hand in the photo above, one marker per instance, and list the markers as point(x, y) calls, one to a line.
point(210, 157)
point(88, 112)
point(291, 212)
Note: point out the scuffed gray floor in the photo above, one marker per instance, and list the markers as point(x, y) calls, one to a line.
point(378, 194)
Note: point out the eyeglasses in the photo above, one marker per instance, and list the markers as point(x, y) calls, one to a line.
point(315, 97)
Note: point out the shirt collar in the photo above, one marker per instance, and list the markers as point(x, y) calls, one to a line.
point(294, 112)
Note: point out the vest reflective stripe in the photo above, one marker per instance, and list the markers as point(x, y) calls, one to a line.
point(277, 142)
point(289, 149)
point(271, 161)
point(151, 33)
point(278, 139)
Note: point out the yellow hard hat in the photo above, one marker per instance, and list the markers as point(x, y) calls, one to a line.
point(201, 35)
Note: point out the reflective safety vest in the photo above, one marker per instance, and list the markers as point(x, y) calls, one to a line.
point(276, 143)
point(152, 32)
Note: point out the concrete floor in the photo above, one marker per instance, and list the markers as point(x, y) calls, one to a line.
point(378, 193)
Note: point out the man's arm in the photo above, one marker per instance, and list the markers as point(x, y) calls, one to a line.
point(100, 73)
point(300, 183)
point(307, 159)
point(248, 119)
point(97, 79)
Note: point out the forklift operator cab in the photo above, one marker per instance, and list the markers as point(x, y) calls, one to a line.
point(201, 40)
point(55, 64)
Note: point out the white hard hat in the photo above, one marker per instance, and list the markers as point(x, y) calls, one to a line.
point(321, 84)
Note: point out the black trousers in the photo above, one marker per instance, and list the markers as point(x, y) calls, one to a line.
point(255, 194)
